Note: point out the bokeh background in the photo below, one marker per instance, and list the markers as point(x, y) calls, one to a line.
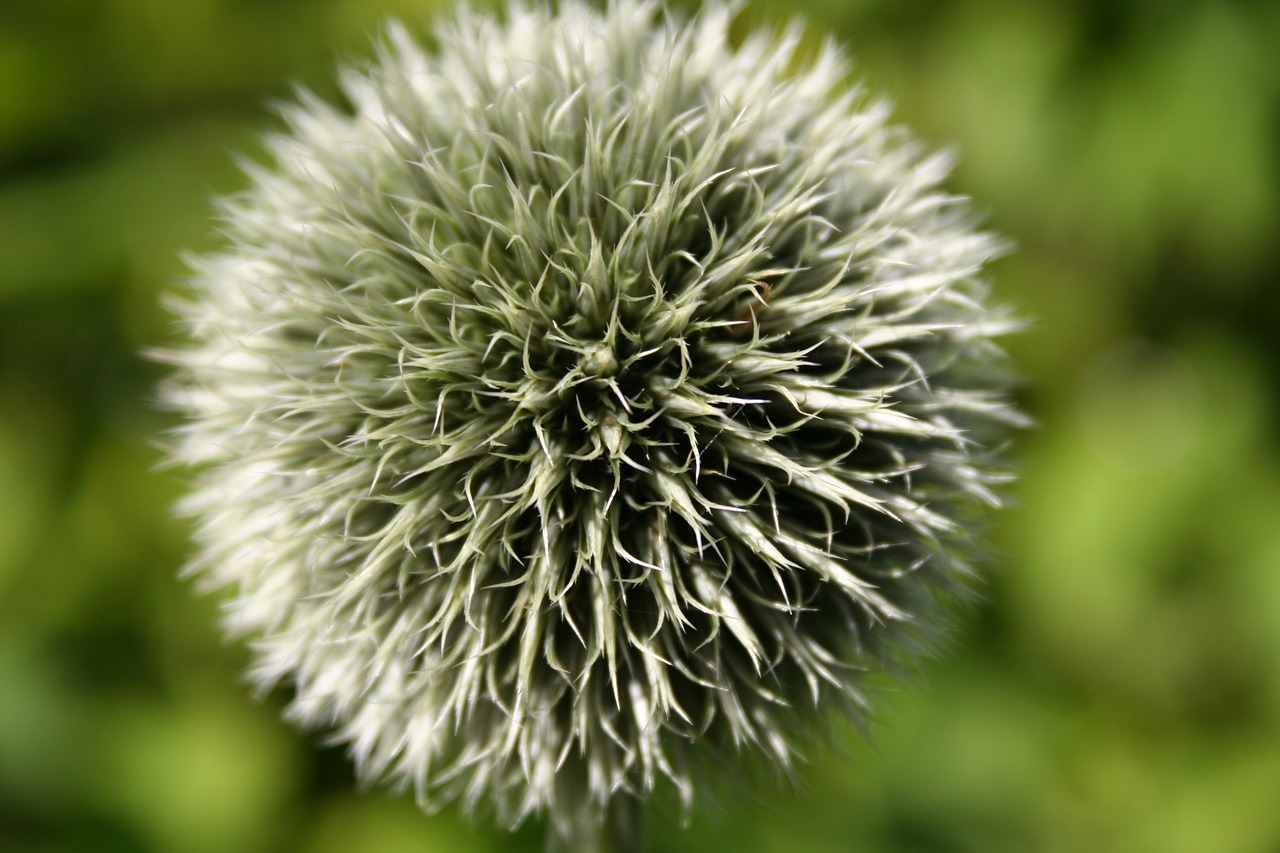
point(1117, 690)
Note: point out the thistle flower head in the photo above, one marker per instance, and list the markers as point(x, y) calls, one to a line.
point(587, 402)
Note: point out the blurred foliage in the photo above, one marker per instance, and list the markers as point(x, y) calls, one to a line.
point(1119, 689)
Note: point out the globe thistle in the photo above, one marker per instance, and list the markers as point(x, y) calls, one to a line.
point(587, 403)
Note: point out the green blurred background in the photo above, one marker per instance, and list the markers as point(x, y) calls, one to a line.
point(1119, 688)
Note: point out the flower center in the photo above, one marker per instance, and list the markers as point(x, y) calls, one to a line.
point(599, 360)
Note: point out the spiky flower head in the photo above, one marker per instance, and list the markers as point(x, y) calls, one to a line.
point(588, 401)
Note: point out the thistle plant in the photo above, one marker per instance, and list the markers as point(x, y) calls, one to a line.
point(587, 404)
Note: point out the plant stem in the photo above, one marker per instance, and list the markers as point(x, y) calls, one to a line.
point(618, 832)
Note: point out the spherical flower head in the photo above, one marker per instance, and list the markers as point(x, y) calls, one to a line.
point(588, 402)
